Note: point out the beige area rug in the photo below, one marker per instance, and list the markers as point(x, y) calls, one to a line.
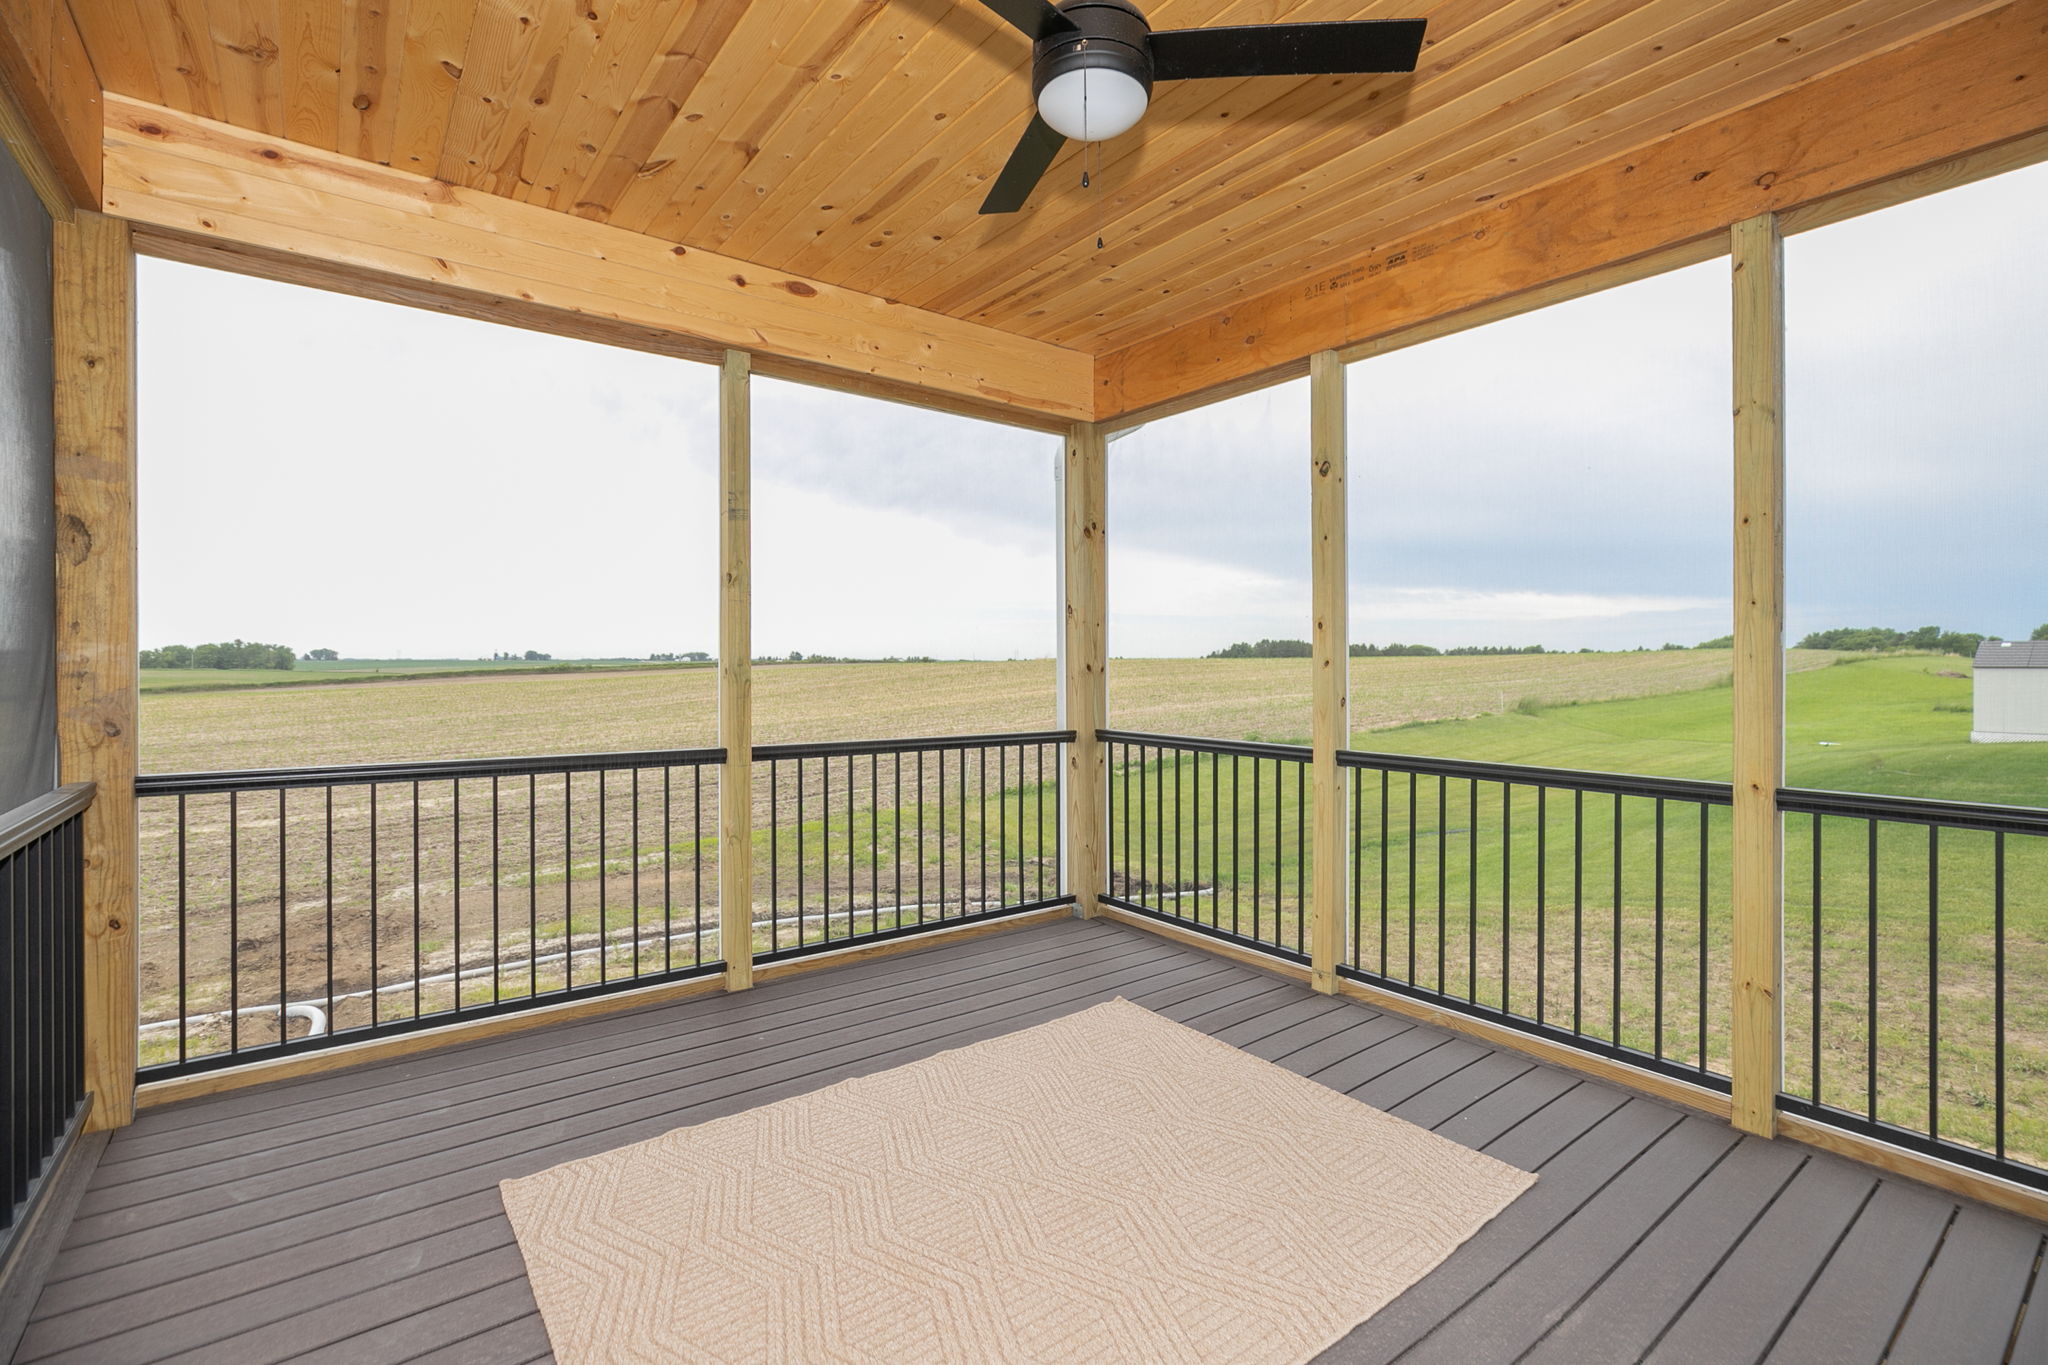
point(1111, 1186)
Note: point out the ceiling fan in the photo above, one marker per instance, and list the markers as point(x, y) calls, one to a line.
point(1093, 63)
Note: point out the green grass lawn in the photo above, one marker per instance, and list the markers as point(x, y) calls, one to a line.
point(1538, 901)
point(1891, 725)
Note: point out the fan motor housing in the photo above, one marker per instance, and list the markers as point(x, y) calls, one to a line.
point(1107, 34)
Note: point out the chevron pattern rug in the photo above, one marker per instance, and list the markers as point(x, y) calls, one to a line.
point(1111, 1186)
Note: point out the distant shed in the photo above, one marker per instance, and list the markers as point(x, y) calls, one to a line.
point(2010, 689)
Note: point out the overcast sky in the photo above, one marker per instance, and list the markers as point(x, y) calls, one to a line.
point(322, 471)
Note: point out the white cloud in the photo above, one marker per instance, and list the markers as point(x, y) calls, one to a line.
point(325, 471)
point(1437, 605)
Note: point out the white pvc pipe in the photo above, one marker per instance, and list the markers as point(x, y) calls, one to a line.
point(314, 1011)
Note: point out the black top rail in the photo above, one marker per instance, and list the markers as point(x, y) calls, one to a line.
point(1296, 753)
point(32, 819)
point(1915, 810)
point(336, 775)
point(1573, 779)
point(842, 747)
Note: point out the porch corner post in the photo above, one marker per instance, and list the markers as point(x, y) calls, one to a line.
point(1331, 689)
point(1084, 684)
point(736, 673)
point(93, 349)
point(1757, 1038)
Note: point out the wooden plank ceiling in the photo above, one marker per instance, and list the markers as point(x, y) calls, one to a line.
point(850, 141)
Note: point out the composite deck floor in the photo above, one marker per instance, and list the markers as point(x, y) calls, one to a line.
point(355, 1216)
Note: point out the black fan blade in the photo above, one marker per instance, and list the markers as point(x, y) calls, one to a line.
point(1035, 151)
point(1035, 19)
point(1339, 49)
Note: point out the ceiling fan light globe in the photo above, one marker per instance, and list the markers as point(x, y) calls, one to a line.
point(1092, 104)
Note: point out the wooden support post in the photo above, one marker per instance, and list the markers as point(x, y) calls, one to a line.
point(735, 673)
point(93, 327)
point(1330, 727)
point(1759, 767)
point(1084, 655)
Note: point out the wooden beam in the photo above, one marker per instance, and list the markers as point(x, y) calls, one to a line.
point(217, 254)
point(1989, 1189)
point(771, 972)
point(18, 132)
point(1084, 654)
point(1330, 725)
point(736, 672)
point(1969, 87)
point(50, 103)
point(1759, 755)
point(93, 328)
point(319, 1061)
point(210, 181)
point(1447, 324)
point(1236, 952)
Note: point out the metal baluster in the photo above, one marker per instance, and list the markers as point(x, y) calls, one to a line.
point(1300, 851)
point(497, 883)
point(1815, 1040)
point(1579, 915)
point(533, 938)
point(1412, 788)
point(184, 932)
point(1706, 828)
point(1934, 981)
point(329, 847)
point(1657, 965)
point(1386, 804)
point(1507, 881)
point(234, 925)
point(697, 866)
point(1615, 1003)
point(852, 877)
point(1357, 868)
point(1472, 893)
point(1998, 988)
point(1443, 893)
point(415, 900)
point(1542, 897)
point(1870, 1075)
point(284, 925)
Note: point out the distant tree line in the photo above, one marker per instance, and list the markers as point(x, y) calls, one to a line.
point(1300, 649)
point(531, 656)
point(1869, 639)
point(695, 656)
point(1266, 649)
point(232, 654)
point(797, 656)
point(1431, 651)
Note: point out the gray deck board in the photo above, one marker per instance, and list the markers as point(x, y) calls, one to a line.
point(1854, 1307)
point(1621, 1316)
point(1743, 1307)
point(354, 1216)
point(1972, 1294)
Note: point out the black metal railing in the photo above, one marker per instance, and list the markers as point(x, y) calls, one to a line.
point(287, 909)
point(42, 987)
point(1211, 835)
point(1588, 908)
point(1916, 946)
point(869, 840)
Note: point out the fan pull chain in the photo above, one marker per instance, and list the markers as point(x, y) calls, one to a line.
point(1088, 159)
